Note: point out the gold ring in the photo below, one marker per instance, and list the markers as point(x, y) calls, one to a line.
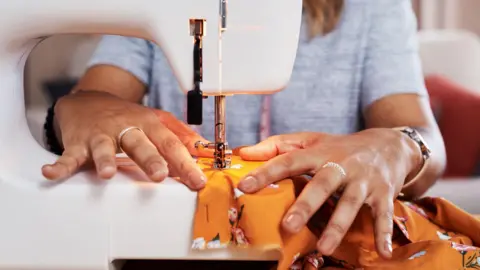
point(123, 133)
point(337, 167)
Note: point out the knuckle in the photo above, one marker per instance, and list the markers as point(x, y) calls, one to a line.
point(75, 155)
point(310, 139)
point(68, 160)
point(166, 115)
point(100, 140)
point(304, 208)
point(286, 161)
point(68, 166)
point(134, 149)
point(381, 235)
point(151, 118)
point(362, 189)
point(390, 187)
point(325, 188)
point(352, 199)
point(105, 159)
point(72, 137)
point(383, 229)
point(185, 166)
point(80, 152)
point(385, 215)
point(385, 184)
point(131, 139)
point(337, 229)
point(153, 159)
point(170, 144)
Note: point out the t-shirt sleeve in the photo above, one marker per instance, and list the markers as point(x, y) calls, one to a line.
point(134, 55)
point(392, 64)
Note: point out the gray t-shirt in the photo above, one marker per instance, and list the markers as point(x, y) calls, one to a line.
point(371, 54)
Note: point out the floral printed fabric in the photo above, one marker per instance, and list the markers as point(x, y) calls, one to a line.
point(430, 233)
point(227, 217)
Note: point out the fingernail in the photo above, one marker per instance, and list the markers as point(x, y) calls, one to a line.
point(194, 181)
point(107, 169)
point(388, 243)
point(156, 169)
point(201, 182)
point(248, 184)
point(326, 244)
point(294, 222)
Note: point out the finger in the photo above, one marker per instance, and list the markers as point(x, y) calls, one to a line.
point(103, 151)
point(290, 164)
point(345, 213)
point(184, 133)
point(382, 210)
point(68, 163)
point(277, 145)
point(315, 193)
point(139, 148)
point(177, 157)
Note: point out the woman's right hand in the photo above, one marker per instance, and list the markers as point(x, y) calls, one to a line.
point(88, 123)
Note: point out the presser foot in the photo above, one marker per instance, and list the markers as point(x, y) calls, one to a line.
point(222, 155)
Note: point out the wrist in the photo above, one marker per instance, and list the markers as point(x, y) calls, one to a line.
point(415, 157)
point(52, 132)
point(418, 155)
point(56, 129)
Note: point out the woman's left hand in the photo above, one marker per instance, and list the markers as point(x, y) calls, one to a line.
point(373, 166)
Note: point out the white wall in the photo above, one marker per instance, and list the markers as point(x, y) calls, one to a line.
point(469, 15)
point(56, 57)
point(451, 14)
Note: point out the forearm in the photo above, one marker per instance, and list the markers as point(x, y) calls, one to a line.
point(434, 167)
point(112, 80)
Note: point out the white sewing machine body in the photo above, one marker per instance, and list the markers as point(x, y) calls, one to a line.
point(84, 223)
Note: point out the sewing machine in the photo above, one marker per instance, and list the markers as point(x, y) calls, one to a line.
point(215, 48)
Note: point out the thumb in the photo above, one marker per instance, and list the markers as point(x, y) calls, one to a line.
point(277, 145)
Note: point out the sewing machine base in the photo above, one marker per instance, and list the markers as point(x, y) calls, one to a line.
point(86, 223)
point(198, 265)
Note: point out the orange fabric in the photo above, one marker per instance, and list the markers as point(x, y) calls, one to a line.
point(430, 233)
point(226, 216)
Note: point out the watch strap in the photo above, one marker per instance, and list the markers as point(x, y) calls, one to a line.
point(424, 149)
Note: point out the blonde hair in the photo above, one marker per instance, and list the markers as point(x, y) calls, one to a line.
point(322, 15)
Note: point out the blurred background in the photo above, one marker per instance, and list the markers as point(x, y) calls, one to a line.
point(449, 46)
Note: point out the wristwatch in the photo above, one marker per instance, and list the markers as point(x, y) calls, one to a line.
point(425, 150)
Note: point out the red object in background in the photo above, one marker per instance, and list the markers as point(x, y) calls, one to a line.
point(458, 113)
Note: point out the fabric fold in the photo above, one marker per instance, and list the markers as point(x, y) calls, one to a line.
point(430, 233)
point(227, 217)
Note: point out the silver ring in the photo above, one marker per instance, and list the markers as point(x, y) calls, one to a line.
point(123, 133)
point(337, 167)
